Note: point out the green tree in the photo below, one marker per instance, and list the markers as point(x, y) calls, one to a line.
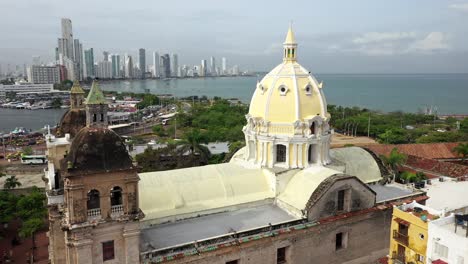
point(393, 161)
point(393, 136)
point(462, 150)
point(159, 130)
point(192, 143)
point(11, 183)
point(27, 150)
point(8, 203)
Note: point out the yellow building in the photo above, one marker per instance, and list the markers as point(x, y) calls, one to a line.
point(409, 233)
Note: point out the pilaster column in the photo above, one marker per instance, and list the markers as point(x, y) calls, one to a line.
point(294, 157)
point(301, 156)
point(131, 237)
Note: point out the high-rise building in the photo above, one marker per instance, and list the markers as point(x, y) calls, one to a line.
point(235, 70)
point(36, 60)
point(78, 55)
point(203, 68)
point(115, 58)
point(223, 66)
point(212, 66)
point(44, 74)
point(156, 65)
point(104, 69)
point(165, 66)
point(67, 36)
point(89, 63)
point(142, 62)
point(129, 66)
point(174, 65)
point(105, 55)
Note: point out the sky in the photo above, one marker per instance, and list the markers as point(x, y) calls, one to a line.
point(359, 36)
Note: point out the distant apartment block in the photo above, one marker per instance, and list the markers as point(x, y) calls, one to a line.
point(22, 88)
point(44, 74)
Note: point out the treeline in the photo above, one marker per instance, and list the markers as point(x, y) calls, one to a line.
point(397, 127)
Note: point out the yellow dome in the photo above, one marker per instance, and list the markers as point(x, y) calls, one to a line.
point(289, 92)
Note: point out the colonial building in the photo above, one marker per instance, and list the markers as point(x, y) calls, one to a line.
point(284, 198)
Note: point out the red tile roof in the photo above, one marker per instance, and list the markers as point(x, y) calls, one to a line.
point(428, 151)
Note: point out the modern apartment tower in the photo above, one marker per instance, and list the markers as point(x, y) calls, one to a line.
point(212, 66)
point(129, 67)
point(174, 65)
point(223, 66)
point(142, 62)
point(156, 65)
point(89, 63)
point(165, 66)
point(67, 36)
point(115, 59)
point(203, 69)
point(78, 55)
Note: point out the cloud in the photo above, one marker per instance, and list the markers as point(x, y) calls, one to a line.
point(433, 42)
point(391, 43)
point(460, 7)
point(378, 37)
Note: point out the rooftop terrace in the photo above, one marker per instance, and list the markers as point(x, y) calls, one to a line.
point(195, 229)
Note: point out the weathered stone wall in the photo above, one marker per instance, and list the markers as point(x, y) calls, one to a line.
point(368, 239)
point(358, 197)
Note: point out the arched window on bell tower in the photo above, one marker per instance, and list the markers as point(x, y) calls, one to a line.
point(313, 128)
point(93, 204)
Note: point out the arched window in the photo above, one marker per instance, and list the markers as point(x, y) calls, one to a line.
point(310, 154)
point(102, 117)
point(81, 102)
point(94, 118)
point(313, 128)
point(280, 153)
point(93, 200)
point(116, 196)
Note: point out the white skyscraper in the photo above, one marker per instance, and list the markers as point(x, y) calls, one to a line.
point(67, 35)
point(223, 66)
point(104, 69)
point(128, 66)
point(203, 69)
point(156, 65)
point(174, 65)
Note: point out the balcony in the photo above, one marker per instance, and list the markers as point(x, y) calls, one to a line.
point(116, 210)
point(94, 213)
point(401, 238)
point(398, 258)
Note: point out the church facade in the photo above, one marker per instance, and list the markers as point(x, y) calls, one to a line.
point(284, 198)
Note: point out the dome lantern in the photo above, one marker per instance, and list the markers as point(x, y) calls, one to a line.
point(290, 46)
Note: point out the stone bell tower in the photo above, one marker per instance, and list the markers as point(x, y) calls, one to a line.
point(100, 212)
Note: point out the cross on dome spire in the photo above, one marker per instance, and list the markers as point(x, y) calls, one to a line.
point(290, 46)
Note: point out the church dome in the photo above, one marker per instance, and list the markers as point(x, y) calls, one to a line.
point(72, 122)
point(287, 124)
point(289, 92)
point(98, 149)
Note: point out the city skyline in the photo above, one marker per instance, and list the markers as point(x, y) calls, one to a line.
point(394, 37)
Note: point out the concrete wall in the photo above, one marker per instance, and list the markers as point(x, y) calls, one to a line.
point(367, 241)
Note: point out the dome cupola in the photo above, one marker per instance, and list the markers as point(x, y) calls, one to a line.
point(287, 123)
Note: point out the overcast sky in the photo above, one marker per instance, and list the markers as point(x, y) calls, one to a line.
point(359, 36)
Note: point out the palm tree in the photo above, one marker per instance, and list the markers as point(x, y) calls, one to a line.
point(462, 150)
point(11, 183)
point(393, 161)
point(192, 142)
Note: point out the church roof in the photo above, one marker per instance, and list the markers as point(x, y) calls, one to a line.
point(97, 149)
point(76, 88)
point(201, 190)
point(359, 163)
point(72, 122)
point(95, 95)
